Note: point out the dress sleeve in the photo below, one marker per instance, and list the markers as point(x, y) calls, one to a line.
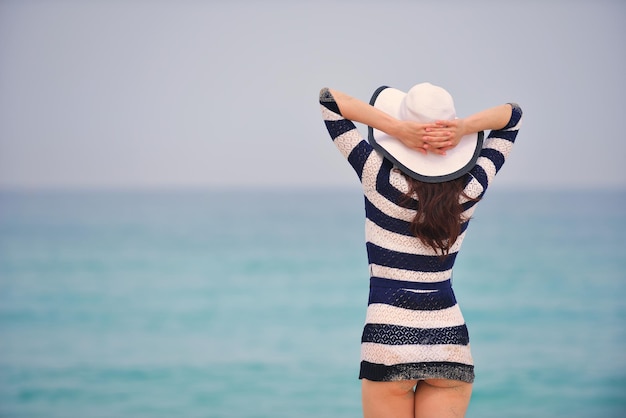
point(496, 149)
point(344, 133)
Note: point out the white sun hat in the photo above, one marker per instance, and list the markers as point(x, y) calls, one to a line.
point(424, 103)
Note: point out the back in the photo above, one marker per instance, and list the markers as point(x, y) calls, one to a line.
point(393, 251)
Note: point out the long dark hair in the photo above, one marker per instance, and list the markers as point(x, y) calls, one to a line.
point(439, 216)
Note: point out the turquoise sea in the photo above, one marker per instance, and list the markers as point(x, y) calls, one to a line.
point(250, 303)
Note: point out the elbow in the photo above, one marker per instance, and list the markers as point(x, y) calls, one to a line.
point(515, 116)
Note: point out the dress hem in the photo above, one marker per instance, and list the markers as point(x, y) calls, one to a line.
point(417, 371)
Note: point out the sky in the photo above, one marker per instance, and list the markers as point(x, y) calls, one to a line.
point(178, 94)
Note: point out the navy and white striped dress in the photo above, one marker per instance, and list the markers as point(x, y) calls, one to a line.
point(414, 328)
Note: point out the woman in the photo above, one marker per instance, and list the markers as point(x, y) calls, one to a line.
point(422, 171)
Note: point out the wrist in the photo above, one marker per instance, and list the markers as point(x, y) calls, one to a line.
point(399, 130)
point(394, 127)
point(463, 127)
point(389, 125)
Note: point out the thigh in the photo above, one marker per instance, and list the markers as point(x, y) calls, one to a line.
point(442, 398)
point(388, 399)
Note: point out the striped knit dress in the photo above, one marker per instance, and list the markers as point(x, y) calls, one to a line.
point(414, 328)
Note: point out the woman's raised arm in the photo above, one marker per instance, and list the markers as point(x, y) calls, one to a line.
point(419, 136)
point(489, 119)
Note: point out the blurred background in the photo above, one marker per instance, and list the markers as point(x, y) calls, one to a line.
point(178, 235)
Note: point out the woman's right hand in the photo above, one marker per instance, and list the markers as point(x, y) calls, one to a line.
point(455, 130)
point(433, 137)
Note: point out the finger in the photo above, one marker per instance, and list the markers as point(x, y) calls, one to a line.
point(438, 142)
point(437, 136)
point(441, 131)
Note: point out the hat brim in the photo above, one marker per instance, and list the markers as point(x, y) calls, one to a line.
point(430, 167)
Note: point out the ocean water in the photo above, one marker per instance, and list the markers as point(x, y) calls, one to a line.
point(250, 303)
